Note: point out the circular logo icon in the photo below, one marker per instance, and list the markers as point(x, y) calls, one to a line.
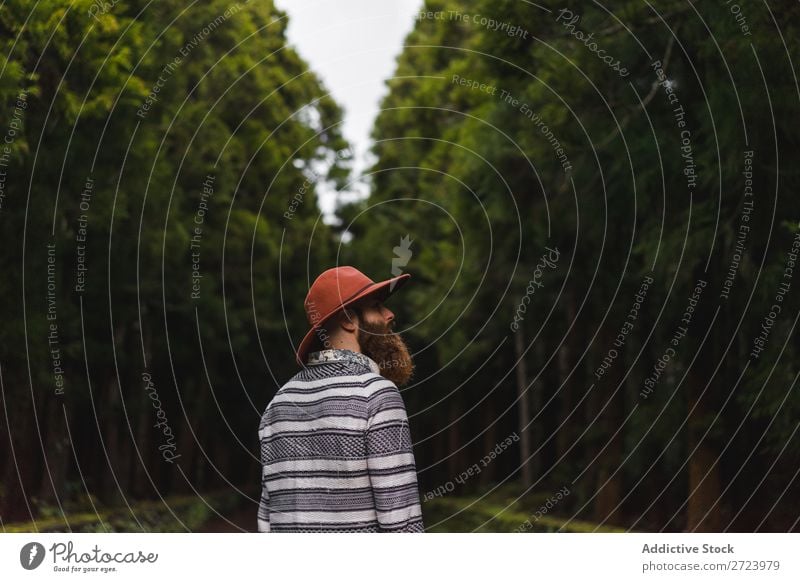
point(31, 555)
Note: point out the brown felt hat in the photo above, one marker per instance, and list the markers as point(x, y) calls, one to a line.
point(334, 290)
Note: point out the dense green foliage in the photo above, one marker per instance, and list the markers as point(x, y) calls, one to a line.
point(504, 132)
point(158, 143)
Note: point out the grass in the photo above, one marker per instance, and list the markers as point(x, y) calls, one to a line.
point(501, 512)
point(174, 514)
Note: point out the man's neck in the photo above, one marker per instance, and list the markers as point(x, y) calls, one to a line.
point(344, 343)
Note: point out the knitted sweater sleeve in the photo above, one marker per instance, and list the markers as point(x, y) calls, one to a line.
point(390, 461)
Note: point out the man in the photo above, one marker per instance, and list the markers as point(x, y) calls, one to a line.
point(335, 442)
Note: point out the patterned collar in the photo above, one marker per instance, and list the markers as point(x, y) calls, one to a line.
point(334, 355)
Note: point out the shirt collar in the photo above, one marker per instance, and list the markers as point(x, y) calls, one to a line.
point(334, 355)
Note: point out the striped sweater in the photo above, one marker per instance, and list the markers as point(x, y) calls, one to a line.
point(336, 452)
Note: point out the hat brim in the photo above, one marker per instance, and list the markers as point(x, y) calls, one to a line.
point(383, 288)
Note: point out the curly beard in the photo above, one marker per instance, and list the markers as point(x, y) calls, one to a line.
point(388, 350)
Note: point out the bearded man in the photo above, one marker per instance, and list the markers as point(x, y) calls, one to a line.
point(336, 448)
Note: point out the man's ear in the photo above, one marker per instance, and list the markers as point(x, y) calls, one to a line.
point(348, 320)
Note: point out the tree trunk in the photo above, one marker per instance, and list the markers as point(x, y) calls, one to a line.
point(112, 422)
point(569, 348)
point(141, 484)
point(57, 450)
point(109, 406)
point(536, 431)
point(704, 475)
point(704, 478)
point(523, 408)
point(454, 464)
point(489, 441)
point(609, 483)
point(609, 477)
point(18, 477)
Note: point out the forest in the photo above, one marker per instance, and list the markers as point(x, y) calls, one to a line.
point(598, 206)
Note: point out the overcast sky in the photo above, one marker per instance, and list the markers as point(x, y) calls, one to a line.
point(352, 45)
